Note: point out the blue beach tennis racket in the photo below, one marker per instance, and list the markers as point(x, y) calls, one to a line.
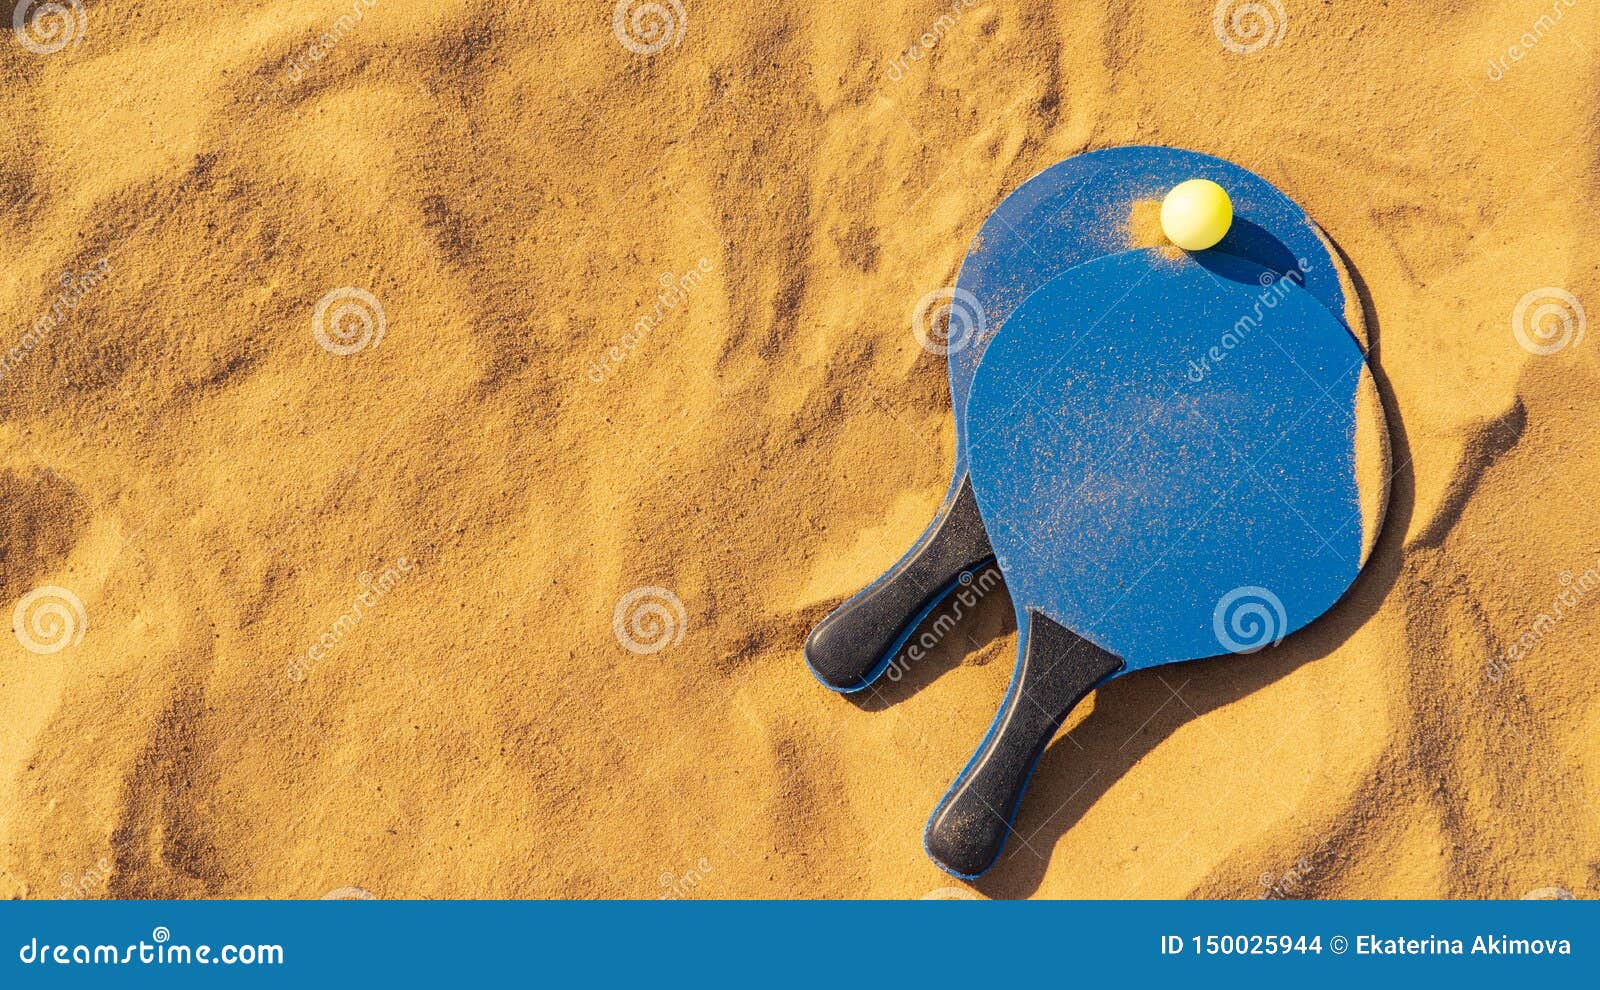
point(1144, 514)
point(1069, 214)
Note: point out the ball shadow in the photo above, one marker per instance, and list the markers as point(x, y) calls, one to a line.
point(1251, 242)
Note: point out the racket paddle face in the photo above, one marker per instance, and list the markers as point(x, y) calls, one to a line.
point(1073, 212)
point(1164, 453)
point(1175, 456)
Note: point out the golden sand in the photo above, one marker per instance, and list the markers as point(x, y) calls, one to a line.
point(647, 339)
point(1143, 228)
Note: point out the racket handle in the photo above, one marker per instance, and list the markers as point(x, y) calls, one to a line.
point(1055, 669)
point(852, 646)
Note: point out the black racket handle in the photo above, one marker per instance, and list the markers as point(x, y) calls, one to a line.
point(849, 649)
point(1055, 669)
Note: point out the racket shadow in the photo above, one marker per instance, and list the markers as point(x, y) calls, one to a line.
point(1134, 714)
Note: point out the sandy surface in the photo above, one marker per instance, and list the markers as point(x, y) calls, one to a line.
point(316, 620)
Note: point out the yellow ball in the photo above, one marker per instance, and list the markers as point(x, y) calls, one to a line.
point(1196, 214)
